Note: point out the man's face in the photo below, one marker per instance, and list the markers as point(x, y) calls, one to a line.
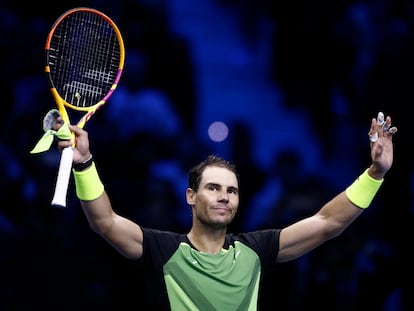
point(217, 199)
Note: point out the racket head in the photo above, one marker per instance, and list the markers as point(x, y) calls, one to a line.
point(84, 60)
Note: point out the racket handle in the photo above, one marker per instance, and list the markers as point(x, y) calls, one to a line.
point(62, 182)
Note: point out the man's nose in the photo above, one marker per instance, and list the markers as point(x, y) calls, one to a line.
point(223, 196)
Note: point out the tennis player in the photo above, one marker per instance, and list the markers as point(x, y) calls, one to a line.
point(209, 268)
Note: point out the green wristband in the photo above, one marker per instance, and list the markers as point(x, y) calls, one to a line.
point(363, 190)
point(88, 184)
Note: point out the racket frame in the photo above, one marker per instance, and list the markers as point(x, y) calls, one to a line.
point(66, 161)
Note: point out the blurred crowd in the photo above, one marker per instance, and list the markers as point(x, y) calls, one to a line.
point(339, 62)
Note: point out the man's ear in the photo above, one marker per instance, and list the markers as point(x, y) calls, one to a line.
point(190, 195)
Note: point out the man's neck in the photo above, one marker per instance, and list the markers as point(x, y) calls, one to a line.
point(207, 240)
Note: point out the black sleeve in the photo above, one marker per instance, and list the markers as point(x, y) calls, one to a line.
point(264, 242)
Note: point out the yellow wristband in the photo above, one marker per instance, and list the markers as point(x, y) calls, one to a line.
point(363, 190)
point(88, 184)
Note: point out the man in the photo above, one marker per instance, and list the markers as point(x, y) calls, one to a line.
point(209, 268)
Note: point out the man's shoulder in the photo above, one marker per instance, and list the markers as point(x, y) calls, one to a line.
point(162, 234)
point(259, 239)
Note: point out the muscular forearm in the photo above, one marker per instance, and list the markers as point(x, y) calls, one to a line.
point(99, 213)
point(348, 205)
point(120, 232)
point(339, 213)
point(329, 222)
point(94, 200)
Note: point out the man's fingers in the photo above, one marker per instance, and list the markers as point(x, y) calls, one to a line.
point(380, 118)
point(381, 126)
point(373, 134)
point(393, 130)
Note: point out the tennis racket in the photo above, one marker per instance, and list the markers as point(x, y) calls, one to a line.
point(85, 57)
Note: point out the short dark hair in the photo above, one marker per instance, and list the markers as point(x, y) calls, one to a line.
point(194, 176)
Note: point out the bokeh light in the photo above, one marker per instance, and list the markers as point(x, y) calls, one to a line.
point(218, 131)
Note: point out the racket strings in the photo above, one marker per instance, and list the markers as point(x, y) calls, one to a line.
point(84, 58)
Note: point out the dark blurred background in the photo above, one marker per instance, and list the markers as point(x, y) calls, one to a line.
point(285, 89)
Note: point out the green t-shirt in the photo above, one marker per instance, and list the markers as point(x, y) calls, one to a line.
point(182, 278)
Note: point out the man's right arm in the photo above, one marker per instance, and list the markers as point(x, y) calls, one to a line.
point(123, 234)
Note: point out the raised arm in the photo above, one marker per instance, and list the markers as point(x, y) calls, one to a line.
point(123, 234)
point(337, 214)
